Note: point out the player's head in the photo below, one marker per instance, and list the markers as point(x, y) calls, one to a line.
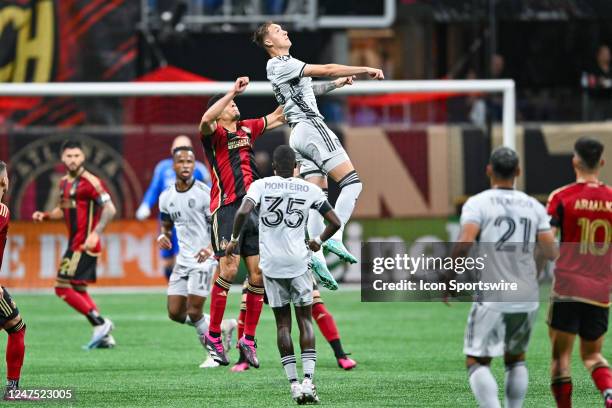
point(231, 113)
point(587, 155)
point(3, 177)
point(503, 164)
point(283, 161)
point(272, 38)
point(180, 140)
point(73, 156)
point(184, 162)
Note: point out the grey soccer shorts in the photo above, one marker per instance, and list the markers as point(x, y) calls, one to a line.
point(192, 280)
point(283, 291)
point(318, 149)
point(490, 333)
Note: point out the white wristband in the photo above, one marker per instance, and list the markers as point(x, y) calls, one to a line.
point(318, 240)
point(234, 239)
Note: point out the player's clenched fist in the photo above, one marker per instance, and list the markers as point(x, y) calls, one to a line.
point(39, 216)
point(164, 242)
point(241, 84)
point(375, 73)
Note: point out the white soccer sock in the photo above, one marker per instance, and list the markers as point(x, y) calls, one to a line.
point(309, 359)
point(345, 204)
point(290, 367)
point(517, 378)
point(201, 325)
point(483, 386)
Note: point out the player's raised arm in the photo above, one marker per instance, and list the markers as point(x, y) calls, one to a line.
point(338, 70)
point(276, 118)
point(208, 124)
point(321, 89)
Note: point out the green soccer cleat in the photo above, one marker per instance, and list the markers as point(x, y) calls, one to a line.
point(322, 273)
point(338, 248)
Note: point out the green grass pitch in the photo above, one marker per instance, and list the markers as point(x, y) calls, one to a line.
point(409, 354)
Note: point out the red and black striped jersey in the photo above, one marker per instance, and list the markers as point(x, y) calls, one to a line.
point(82, 199)
point(231, 161)
point(5, 216)
point(583, 213)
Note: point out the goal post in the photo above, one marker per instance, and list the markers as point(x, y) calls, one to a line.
point(133, 89)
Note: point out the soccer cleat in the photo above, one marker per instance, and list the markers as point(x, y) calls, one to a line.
point(99, 333)
point(248, 348)
point(608, 398)
point(214, 345)
point(322, 273)
point(240, 367)
point(107, 342)
point(309, 393)
point(338, 248)
point(209, 363)
point(227, 332)
point(346, 363)
point(296, 391)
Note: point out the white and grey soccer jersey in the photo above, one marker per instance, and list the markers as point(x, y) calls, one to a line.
point(318, 149)
point(283, 215)
point(509, 222)
point(190, 212)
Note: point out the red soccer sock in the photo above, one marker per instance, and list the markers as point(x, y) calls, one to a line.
point(241, 317)
point(602, 377)
point(325, 321)
point(15, 351)
point(218, 301)
point(562, 391)
point(74, 299)
point(85, 295)
point(254, 304)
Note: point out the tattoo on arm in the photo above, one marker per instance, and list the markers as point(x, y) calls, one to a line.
point(108, 212)
point(320, 89)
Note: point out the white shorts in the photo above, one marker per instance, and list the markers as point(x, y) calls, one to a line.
point(187, 280)
point(490, 333)
point(317, 148)
point(281, 292)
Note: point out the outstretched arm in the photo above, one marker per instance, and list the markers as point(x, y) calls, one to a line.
point(276, 118)
point(321, 89)
point(208, 124)
point(337, 70)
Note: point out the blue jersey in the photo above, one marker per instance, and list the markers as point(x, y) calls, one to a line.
point(164, 176)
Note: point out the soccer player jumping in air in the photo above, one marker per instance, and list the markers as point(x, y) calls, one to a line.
point(87, 209)
point(580, 299)
point(10, 320)
point(318, 150)
point(507, 223)
point(185, 208)
point(227, 142)
point(284, 205)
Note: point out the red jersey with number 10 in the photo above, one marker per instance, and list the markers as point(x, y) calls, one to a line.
point(5, 216)
point(231, 162)
point(583, 213)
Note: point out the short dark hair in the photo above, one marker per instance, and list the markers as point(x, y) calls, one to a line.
point(283, 158)
point(70, 144)
point(214, 99)
point(182, 149)
point(259, 35)
point(2, 166)
point(589, 151)
point(504, 162)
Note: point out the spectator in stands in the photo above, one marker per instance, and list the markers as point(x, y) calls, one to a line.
point(495, 101)
point(599, 86)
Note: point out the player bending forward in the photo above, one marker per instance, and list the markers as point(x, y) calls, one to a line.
point(186, 206)
point(86, 208)
point(10, 320)
point(509, 223)
point(580, 300)
point(317, 148)
point(284, 258)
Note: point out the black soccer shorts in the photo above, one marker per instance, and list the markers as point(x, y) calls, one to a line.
point(589, 321)
point(78, 266)
point(222, 225)
point(8, 308)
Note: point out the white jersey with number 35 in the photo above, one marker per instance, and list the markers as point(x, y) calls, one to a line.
point(283, 215)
